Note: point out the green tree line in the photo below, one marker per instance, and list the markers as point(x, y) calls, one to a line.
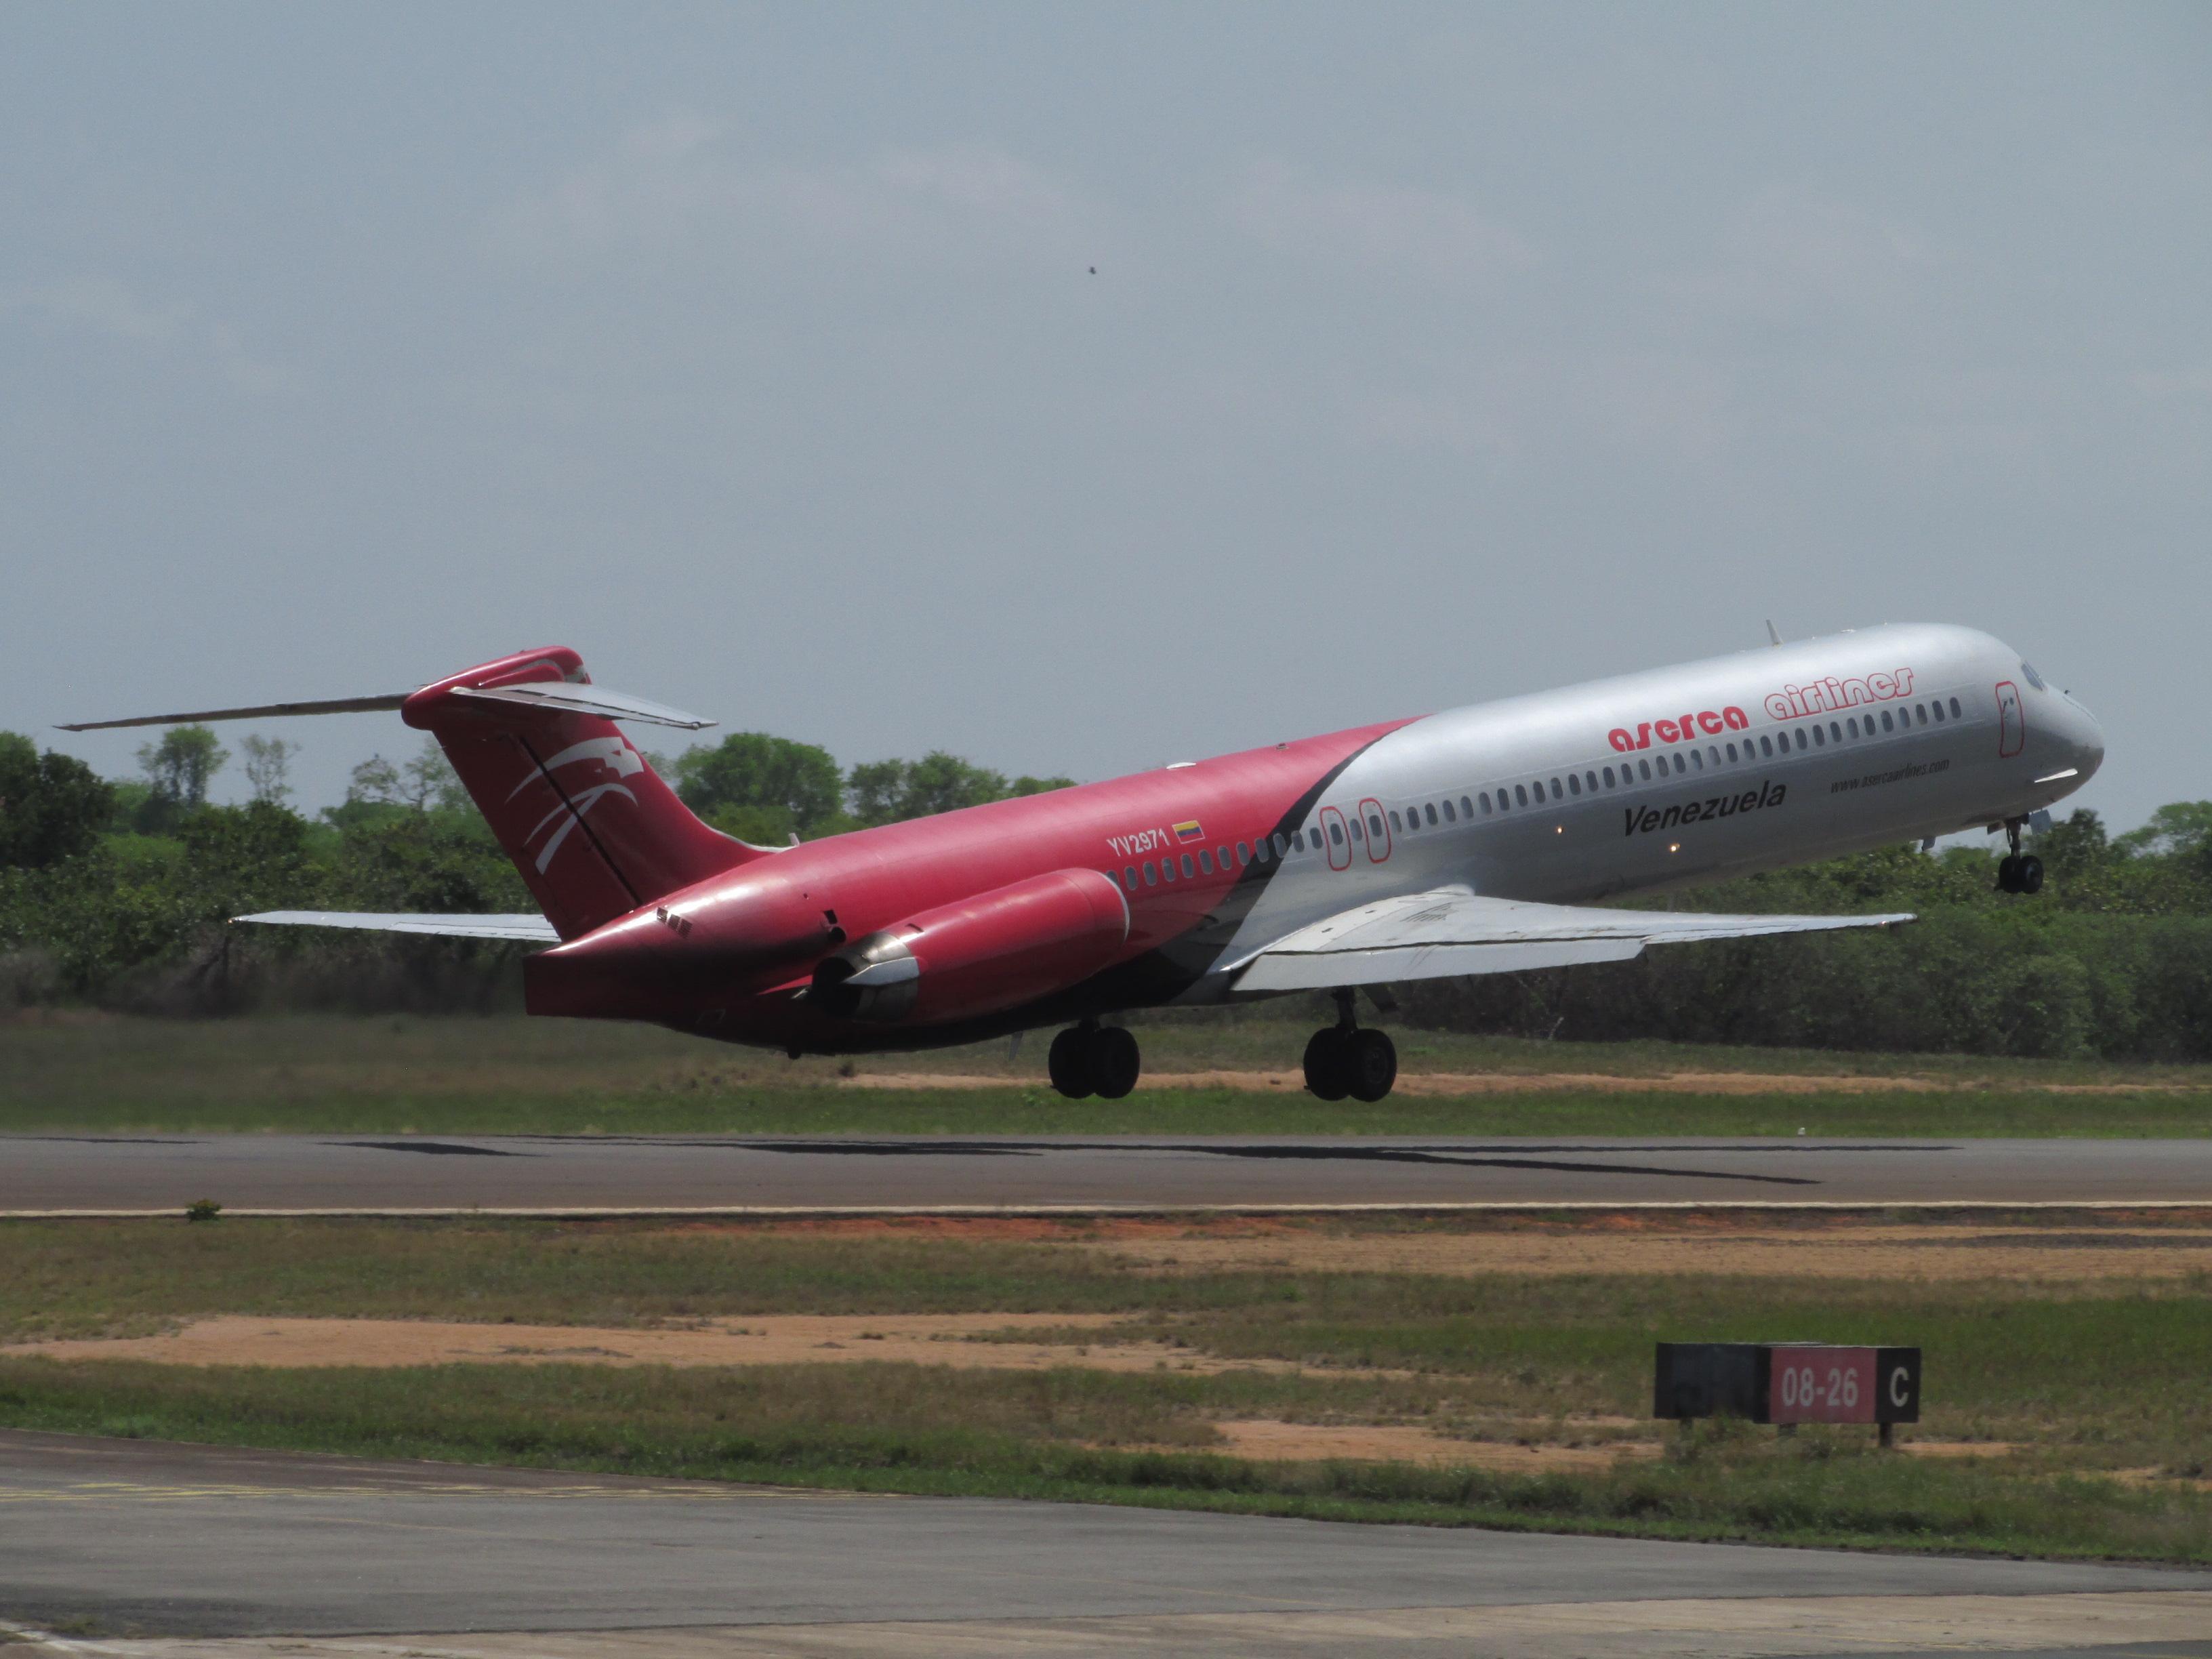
point(117, 889)
point(120, 889)
point(2112, 960)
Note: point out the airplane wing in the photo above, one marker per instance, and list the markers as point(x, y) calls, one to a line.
point(522, 930)
point(1444, 934)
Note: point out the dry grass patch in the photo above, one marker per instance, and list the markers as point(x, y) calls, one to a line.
point(1906, 1254)
point(962, 1341)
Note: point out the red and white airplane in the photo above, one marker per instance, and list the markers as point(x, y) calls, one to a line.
point(1472, 841)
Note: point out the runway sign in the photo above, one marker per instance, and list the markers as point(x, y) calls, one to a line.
point(1787, 1383)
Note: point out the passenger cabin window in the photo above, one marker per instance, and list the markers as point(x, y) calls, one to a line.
point(1697, 760)
point(1451, 816)
point(1920, 713)
point(1244, 853)
point(1574, 784)
point(1731, 754)
point(1336, 833)
point(1608, 777)
point(1129, 877)
point(1281, 846)
point(1466, 809)
point(1375, 824)
point(1151, 874)
point(1888, 724)
point(1430, 809)
point(1205, 862)
point(1555, 790)
point(1394, 823)
point(1854, 726)
point(1189, 874)
point(1519, 794)
point(1167, 869)
point(1955, 710)
point(1222, 853)
point(1590, 778)
point(1939, 713)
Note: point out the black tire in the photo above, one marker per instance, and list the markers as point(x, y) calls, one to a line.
point(1115, 1063)
point(2008, 875)
point(1370, 1065)
point(1069, 1064)
point(1325, 1064)
point(2030, 875)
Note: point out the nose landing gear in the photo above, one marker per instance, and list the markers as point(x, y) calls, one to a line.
point(1350, 1059)
point(2021, 872)
point(1091, 1059)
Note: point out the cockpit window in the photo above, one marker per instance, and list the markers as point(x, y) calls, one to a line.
point(2034, 679)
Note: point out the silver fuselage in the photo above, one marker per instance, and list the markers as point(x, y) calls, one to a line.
point(1683, 776)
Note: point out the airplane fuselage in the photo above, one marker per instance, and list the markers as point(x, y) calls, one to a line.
point(1636, 785)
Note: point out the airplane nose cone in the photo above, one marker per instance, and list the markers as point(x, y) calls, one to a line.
point(2083, 737)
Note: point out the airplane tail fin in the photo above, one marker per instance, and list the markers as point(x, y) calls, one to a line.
point(594, 831)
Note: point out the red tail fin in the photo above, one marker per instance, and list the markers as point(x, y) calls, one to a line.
point(594, 832)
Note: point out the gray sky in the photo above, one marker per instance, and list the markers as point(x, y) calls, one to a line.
point(1434, 354)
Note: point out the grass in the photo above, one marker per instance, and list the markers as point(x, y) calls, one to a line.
point(2095, 1383)
point(909, 1429)
point(79, 1072)
point(83, 1277)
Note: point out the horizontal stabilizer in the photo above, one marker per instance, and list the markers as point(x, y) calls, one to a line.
point(523, 930)
point(585, 700)
point(557, 694)
point(1442, 935)
point(265, 711)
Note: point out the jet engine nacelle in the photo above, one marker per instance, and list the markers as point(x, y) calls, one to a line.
point(994, 951)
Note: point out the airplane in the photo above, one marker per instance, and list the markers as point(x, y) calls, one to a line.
point(1478, 841)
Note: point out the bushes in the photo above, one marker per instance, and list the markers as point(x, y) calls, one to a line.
point(140, 920)
point(2113, 960)
point(2048, 984)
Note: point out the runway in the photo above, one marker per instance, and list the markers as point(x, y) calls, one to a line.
point(549, 1175)
point(219, 1550)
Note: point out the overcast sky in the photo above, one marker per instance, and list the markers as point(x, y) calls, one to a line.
point(1433, 354)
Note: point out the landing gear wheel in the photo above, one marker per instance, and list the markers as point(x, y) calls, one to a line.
point(1370, 1065)
point(2008, 875)
point(1090, 1060)
point(1327, 1063)
point(1069, 1064)
point(1115, 1062)
point(2031, 874)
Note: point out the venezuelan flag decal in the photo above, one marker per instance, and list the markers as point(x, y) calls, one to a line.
point(1190, 831)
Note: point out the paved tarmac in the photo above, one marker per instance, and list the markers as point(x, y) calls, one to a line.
point(148, 1539)
point(77, 1174)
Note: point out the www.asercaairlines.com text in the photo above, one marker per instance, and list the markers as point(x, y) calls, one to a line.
point(1897, 776)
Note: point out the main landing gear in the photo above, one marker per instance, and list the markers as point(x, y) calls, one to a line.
point(1091, 1059)
point(1350, 1059)
point(2022, 873)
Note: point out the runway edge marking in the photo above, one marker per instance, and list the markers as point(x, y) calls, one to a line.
point(1076, 1211)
